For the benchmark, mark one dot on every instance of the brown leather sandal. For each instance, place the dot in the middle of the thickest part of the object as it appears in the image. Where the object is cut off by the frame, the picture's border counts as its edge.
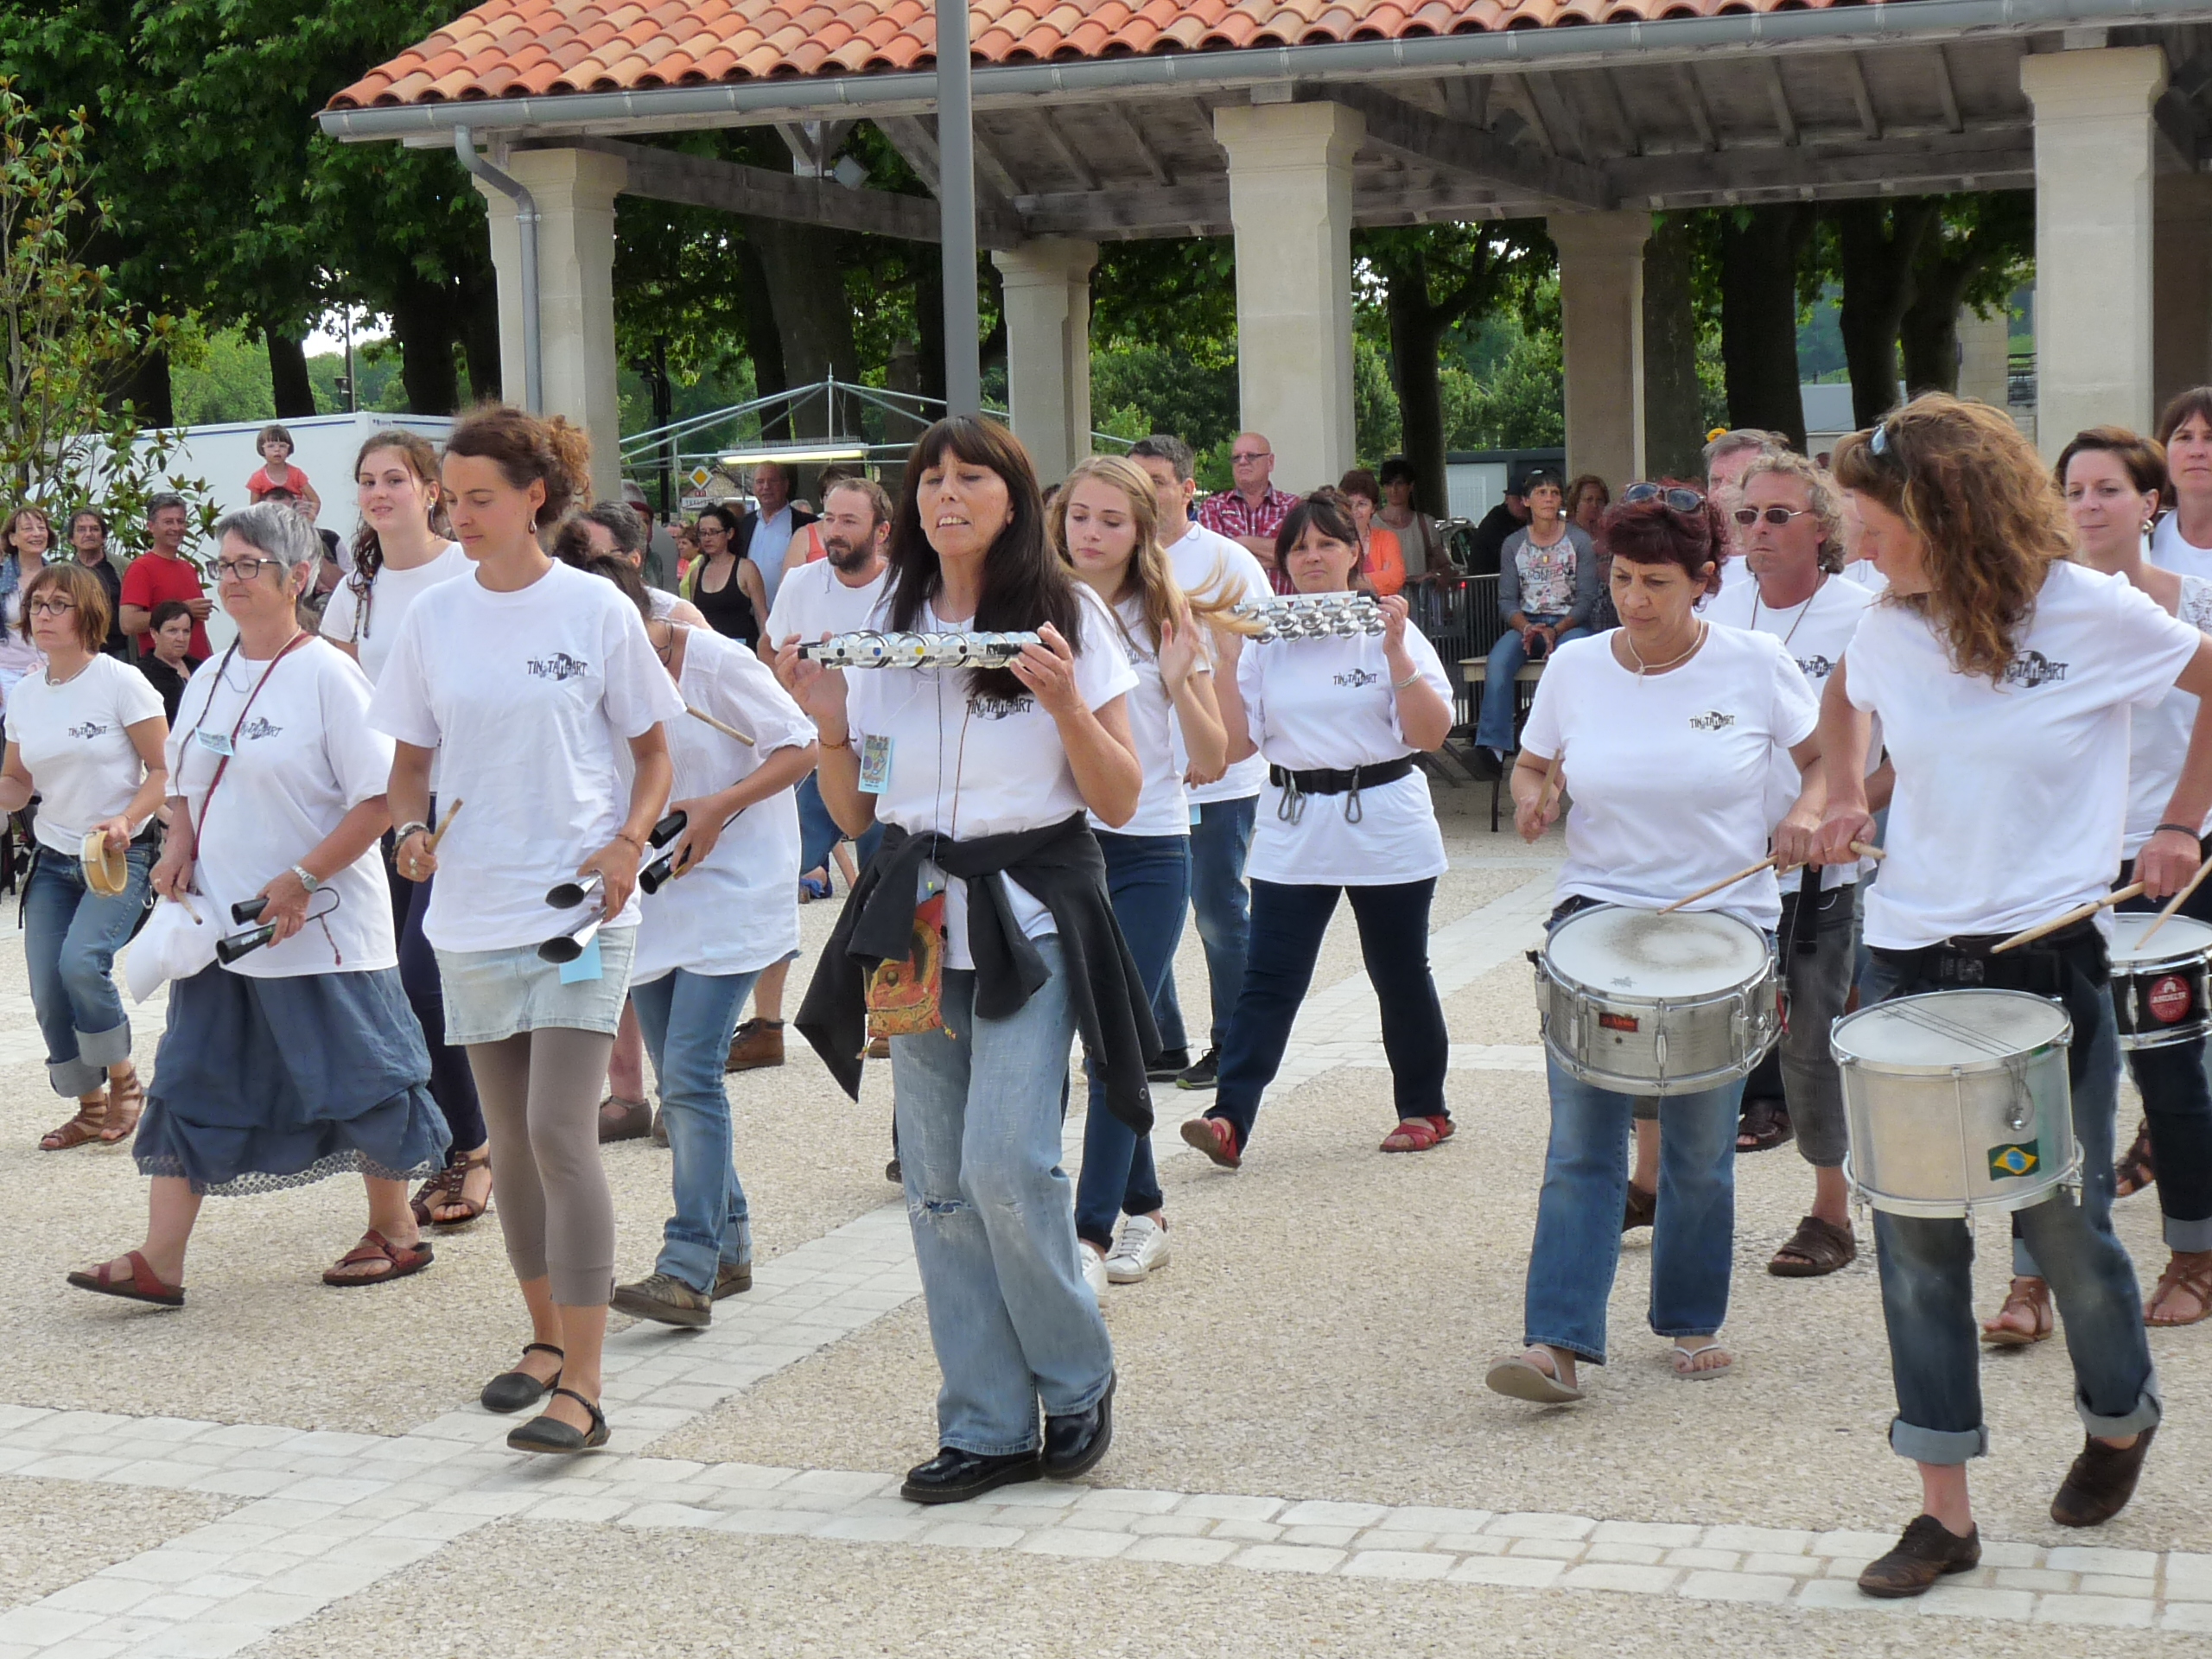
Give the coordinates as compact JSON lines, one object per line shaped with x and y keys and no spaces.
{"x":455,"y":1196}
{"x":402,"y":1260}
{"x":2031,"y":1296}
{"x":144,"y":1284}
{"x":1817,"y":1248}
{"x":2189,"y":1271}
{"x":2134,"y":1171}
{"x":430,"y":1193}
{"x":126,"y":1103}
{"x":92,"y":1117}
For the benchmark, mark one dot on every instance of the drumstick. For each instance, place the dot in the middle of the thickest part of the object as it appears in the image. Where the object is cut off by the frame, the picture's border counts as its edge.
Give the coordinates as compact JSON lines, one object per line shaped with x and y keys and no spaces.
{"x":1865,"y":850}
{"x":188,"y":910}
{"x":1551,"y":779}
{"x":439,"y":834}
{"x":1727,"y":881}
{"x":727,"y":731}
{"x":2177,"y":901}
{"x":2078,"y":913}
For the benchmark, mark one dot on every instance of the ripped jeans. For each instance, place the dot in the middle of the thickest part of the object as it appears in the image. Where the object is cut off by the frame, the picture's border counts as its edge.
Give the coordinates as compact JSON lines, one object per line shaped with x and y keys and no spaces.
{"x":979,"y":1113}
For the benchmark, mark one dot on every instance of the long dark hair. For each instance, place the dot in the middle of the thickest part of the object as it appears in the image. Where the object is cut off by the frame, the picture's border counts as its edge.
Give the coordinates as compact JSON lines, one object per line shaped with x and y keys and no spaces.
{"x":1024,"y":583}
{"x":368,"y":548}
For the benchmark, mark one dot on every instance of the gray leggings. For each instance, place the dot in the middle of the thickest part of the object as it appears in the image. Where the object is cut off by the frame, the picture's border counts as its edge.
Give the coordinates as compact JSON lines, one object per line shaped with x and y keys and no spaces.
{"x":540,"y":1090}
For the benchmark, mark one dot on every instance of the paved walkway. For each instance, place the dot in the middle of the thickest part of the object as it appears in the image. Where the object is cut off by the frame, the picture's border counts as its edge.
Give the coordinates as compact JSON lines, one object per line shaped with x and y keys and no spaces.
{"x":214,"y":1529}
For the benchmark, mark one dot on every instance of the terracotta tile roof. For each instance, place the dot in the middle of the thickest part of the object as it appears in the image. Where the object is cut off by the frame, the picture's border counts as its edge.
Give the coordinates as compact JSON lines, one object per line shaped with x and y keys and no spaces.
{"x":513,"y":48}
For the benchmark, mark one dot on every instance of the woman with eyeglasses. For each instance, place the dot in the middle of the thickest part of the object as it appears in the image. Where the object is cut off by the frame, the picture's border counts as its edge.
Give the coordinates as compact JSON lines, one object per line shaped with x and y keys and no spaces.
{"x":1547,"y":589}
{"x":299,"y":1059}
{"x":724,"y":584}
{"x":1669,"y":732}
{"x":27,"y":537}
{"x":2004,"y":676}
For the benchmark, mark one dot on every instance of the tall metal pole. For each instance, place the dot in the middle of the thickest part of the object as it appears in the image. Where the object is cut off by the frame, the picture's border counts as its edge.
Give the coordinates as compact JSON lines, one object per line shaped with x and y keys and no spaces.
{"x":955,"y":143}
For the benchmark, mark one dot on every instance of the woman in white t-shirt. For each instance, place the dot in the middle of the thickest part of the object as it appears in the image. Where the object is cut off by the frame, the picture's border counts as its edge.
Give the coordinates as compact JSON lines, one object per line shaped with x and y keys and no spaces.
{"x":1665,"y":730}
{"x":2182,"y":541}
{"x":86,"y":735}
{"x":26,"y":538}
{"x":522,"y":682}
{"x":2003,"y":676}
{"x":990,"y":883}
{"x":1346,"y":813}
{"x":400,"y":553}
{"x":298,"y":1059}
{"x":1104,"y":522}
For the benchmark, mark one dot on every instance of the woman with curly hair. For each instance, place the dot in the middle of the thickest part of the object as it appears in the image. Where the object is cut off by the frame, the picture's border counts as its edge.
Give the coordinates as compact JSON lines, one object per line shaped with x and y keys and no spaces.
{"x":2003,"y":673}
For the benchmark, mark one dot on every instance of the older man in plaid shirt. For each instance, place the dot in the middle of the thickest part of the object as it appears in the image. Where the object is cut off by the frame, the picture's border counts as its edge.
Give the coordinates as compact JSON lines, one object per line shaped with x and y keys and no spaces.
{"x":1254,"y":511}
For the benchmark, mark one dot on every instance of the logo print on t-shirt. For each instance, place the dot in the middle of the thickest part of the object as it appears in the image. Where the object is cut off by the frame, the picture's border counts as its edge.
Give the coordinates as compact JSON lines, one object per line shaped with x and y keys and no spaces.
{"x":1712,"y":721}
{"x":1815,"y":667}
{"x":992,"y":705}
{"x":258,"y":727}
{"x":1357,"y":677}
{"x":89,"y":730}
{"x":2032,"y":669}
{"x":559,"y":666}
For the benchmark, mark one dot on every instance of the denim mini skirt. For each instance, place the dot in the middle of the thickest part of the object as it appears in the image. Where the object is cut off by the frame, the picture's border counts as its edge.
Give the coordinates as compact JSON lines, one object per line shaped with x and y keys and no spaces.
{"x":491,"y":995}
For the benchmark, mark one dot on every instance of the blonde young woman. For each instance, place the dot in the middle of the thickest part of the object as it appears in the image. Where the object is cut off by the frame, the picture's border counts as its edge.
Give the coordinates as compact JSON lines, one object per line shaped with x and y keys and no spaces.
{"x":1102,"y":524}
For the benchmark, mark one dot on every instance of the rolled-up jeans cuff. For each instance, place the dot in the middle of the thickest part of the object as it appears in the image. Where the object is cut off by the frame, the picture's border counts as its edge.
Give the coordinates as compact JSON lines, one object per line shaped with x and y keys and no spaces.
{"x":105,"y":1048}
{"x":2149,"y":1409}
{"x":73,"y":1079}
{"x":1939,"y":1446}
{"x":2023,"y":1261}
{"x":2188,"y":1235}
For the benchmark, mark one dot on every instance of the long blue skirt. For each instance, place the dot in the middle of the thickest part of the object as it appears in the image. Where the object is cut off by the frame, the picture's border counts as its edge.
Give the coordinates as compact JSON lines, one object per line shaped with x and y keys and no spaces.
{"x":263,"y":1083}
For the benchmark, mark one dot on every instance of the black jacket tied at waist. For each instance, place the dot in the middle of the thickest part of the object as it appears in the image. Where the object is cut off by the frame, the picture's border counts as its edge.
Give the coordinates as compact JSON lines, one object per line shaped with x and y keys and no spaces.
{"x":1062,"y":867}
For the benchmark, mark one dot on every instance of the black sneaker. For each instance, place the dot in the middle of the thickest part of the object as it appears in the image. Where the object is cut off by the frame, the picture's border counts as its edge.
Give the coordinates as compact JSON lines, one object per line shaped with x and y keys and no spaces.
{"x":1170,"y":1065}
{"x":1202,"y":1075}
{"x":1486,"y":762}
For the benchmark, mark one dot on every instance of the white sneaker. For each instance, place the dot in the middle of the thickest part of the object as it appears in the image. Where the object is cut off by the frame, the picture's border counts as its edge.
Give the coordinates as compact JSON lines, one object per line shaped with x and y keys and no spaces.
{"x":1094,"y":1266}
{"x":1142,"y":1247}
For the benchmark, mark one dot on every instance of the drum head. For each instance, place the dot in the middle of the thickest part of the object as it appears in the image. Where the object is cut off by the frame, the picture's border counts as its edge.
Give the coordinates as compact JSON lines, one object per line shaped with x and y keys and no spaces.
{"x":1639,"y":953}
{"x":2182,"y":937}
{"x":1947,"y":1028}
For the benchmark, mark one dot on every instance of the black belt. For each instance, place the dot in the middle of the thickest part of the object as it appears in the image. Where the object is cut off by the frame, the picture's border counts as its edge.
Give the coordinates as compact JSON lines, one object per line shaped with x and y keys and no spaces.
{"x":1331,"y":780}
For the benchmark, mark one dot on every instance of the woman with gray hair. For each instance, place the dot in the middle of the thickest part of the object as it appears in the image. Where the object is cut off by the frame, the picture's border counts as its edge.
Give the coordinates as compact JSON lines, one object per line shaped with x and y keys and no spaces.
{"x":299,"y":1058}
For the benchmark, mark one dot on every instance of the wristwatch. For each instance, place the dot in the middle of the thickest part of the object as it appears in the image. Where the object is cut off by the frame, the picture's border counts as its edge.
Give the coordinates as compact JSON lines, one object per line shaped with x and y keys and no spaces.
{"x":308,"y":879}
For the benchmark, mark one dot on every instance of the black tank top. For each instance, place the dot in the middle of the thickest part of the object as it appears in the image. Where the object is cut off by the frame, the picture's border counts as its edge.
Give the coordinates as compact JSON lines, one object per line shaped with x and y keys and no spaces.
{"x":727,"y":610}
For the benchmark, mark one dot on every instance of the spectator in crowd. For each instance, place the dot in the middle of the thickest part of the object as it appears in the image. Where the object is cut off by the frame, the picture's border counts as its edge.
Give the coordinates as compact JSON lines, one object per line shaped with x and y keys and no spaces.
{"x":27,"y":537}
{"x":278,"y":471}
{"x":1587,"y":497}
{"x":2183,"y":541}
{"x":617,"y":529}
{"x":686,"y":548}
{"x":171,"y":662}
{"x":330,"y":567}
{"x":1419,"y":543}
{"x":765,"y":536}
{"x":1502,"y":520}
{"x":1726,"y":454}
{"x":1547,"y":590}
{"x":1253,"y":509}
{"x":1382,"y":562}
{"x":88,"y":536}
{"x":722,"y":582}
{"x":162,"y":572}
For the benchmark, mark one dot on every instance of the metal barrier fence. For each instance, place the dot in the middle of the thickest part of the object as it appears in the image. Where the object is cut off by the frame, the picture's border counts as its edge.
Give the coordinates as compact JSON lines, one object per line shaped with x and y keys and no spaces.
{"x":1459,"y":617}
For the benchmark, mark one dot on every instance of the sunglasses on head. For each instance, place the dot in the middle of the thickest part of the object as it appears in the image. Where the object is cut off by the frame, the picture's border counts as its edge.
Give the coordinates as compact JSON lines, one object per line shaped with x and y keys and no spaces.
{"x":1680,"y":499}
{"x":1777,"y":516}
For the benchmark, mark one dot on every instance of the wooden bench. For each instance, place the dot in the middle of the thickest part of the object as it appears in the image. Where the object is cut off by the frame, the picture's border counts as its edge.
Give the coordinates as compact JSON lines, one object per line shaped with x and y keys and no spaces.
{"x":1476,"y":671}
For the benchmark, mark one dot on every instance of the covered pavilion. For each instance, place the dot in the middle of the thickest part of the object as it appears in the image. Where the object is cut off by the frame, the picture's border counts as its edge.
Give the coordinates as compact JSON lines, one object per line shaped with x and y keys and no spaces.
{"x":1286,"y":122}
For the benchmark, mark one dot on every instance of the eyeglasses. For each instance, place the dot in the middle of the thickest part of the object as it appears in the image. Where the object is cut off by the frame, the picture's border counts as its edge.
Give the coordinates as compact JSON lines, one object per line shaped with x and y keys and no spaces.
{"x":1680,"y":499}
{"x":51,"y":607}
{"x":1777,"y":516}
{"x":242,"y":569}
{"x":1256,"y":454}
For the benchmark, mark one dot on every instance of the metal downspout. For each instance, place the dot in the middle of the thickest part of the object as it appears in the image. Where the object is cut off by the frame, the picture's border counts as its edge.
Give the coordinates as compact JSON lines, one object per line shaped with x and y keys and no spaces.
{"x":533,"y":358}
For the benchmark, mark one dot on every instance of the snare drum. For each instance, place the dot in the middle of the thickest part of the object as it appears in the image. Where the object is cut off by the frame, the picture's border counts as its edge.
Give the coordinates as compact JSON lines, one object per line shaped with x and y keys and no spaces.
{"x":1957,"y":1101}
{"x":1645,"y":1004}
{"x":2159,"y":993}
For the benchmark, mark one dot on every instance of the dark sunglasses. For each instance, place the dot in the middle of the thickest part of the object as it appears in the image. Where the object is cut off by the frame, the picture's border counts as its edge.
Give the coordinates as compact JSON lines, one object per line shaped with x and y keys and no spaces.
{"x":1777,"y":516}
{"x":1680,"y":499}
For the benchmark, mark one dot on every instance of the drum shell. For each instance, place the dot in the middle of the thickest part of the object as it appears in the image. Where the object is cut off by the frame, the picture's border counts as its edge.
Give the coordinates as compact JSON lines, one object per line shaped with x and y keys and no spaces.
{"x":2138,"y":987}
{"x":1657,"y":1046}
{"x":1922,"y":1136}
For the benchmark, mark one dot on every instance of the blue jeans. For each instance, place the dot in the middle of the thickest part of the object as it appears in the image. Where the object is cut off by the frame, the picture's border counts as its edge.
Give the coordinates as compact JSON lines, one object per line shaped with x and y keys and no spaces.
{"x":1494,"y":726}
{"x":1578,"y":1245}
{"x":818,"y":834}
{"x":1927,"y":1267}
{"x":1219,"y":841}
{"x":1149,"y":877}
{"x":994,"y":1220}
{"x":1287,"y":925}
{"x":71,"y":935}
{"x":687,"y":1020}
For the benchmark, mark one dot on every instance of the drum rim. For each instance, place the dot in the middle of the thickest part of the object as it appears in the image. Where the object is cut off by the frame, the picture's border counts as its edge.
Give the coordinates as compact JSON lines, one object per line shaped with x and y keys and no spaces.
{"x":1558,"y":975}
{"x":2129,"y":967}
{"x":2064,"y":1040}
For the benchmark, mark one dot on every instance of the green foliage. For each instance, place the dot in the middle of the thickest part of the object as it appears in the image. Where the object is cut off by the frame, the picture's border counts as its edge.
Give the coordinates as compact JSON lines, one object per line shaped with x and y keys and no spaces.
{"x":1521,"y":404}
{"x":225,"y":378}
{"x":1377,"y":425}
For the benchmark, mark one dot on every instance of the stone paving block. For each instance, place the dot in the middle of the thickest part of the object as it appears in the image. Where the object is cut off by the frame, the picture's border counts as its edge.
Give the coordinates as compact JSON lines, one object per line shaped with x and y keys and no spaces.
{"x":1166,"y":1526}
{"x":2187,"y":1616}
{"x":1738,"y":1587}
{"x":1080,"y":1543}
{"x":2188,"y":1577}
{"x":873,"y":1529}
{"x":1397,"y":1564}
{"x":2034,"y":1578}
{"x":219,"y":1586}
{"x":203,"y":1641}
{"x":72,"y":1466}
{"x":1469,"y":1543}
{"x":2093,"y":1610}
{"x":1862,"y":1546}
{"x":100,"y":1595}
{"x":965,"y":1535}
{"x":1181,"y":1552}
{"x":15,"y":1417}
{"x":37,"y":1625}
{"x":285,"y":1514}
{"x":1623,"y":1554}
{"x":165,"y":1566}
{"x":324,"y":1488}
{"x":1715,"y":1560}
{"x":1773,"y":1540}
{"x":1133,"y":1502}
{"x":77,"y":1647}
{"x":2127,"y":1563}
{"x":1394,"y":1538}
{"x":2111,"y":1583}
{"x":1541,"y":1524}
{"x":173,"y":1606}
{"x":1249,"y":1532}
{"x":1953,"y":1601}
{"x":1657,"y":1535}
{"x":490,"y":1505}
{"x":778,"y":1523}
{"x":1556,"y":1549}
{"x":1317,"y":1514}
{"x":1326,"y":1537}
{"x":1038,"y":1495}
{"x":1523,"y":1571}
{"x":270,"y":1610}
{"x":1629,"y":1580}
{"x":1412,"y":1518}
{"x":839,"y":1483}
{"x":669,"y":1515}
{"x":595,"y":1512}
{"x":336,"y":1577}
{"x":1286,"y":1557}
{"x":1797,"y":1566}
{"x":1222,"y":1506}
{"x":429,"y":1528}
{"x":2010,"y":1555}
{"x":750,"y":1476}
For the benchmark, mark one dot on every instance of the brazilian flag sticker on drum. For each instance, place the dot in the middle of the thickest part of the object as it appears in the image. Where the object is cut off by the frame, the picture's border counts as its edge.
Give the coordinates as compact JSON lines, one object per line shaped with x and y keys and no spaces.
{"x":2022,"y":1158}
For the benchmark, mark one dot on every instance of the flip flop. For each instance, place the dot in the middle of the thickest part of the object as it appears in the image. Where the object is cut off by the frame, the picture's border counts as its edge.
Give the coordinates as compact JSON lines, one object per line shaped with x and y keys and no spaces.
{"x":143,"y":1285}
{"x":1522,"y":1378}
{"x":1681,"y":1358}
{"x":404,"y":1259}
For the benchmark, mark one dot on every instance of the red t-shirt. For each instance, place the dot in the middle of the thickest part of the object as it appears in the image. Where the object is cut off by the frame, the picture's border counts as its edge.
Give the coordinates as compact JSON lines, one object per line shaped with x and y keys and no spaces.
{"x":260,"y":484}
{"x":153,"y":578}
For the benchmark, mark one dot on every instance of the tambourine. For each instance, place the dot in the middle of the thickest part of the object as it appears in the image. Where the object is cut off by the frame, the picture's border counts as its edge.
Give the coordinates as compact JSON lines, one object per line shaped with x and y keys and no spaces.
{"x":1313,"y":616}
{"x":107,"y":871}
{"x":869,"y":649}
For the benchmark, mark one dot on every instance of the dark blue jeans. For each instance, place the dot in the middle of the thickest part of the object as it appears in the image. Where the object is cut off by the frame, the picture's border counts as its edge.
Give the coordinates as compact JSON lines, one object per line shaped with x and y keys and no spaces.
{"x":818,"y":834}
{"x":1219,"y":841}
{"x":1287,"y":925}
{"x":1149,"y":879}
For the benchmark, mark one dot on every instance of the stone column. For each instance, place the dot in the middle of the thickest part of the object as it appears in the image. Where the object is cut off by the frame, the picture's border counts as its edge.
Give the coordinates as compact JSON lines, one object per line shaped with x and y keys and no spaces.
{"x":1601,"y":317}
{"x":2181,"y":283}
{"x":1290,"y":200}
{"x":1047,"y":285}
{"x":2093,"y":164}
{"x":575,"y":190}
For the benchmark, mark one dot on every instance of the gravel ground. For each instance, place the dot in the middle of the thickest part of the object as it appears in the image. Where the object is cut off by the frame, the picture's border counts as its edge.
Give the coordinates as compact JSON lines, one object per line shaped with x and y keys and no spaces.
{"x":670,"y":1595}
{"x":59,"y":1531}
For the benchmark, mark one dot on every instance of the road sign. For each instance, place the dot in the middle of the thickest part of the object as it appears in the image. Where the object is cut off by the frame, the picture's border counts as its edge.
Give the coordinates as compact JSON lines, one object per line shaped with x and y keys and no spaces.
{"x":699,"y":477}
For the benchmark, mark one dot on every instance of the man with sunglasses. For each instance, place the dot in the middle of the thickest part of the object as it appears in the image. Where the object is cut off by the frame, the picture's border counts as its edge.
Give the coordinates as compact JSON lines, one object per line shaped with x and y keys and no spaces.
{"x":1727,"y":455}
{"x":1250,"y":513}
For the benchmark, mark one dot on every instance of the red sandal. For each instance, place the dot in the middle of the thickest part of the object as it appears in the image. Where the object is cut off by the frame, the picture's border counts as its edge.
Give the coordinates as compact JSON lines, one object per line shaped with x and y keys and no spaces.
{"x":1419,"y":1134}
{"x":145,"y":1284}
{"x":404,"y":1260}
{"x":1216,"y":1139}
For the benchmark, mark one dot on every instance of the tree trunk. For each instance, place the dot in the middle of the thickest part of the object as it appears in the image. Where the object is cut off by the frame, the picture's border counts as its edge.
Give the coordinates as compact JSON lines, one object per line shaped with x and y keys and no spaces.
{"x":1416,"y":331}
{"x":1759,"y":250}
{"x":424,"y":319}
{"x":147,"y":390}
{"x":1673,"y":400}
{"x":479,"y":336}
{"x":1879,"y":242}
{"x":764,"y":341}
{"x":1930,"y":330}
{"x":288,"y":375}
{"x":804,"y":267}
{"x":929,"y":321}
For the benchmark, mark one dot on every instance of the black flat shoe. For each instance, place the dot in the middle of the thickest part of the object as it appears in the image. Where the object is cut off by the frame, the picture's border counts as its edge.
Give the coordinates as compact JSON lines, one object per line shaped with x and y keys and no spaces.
{"x":544,"y":1434}
{"x":512,"y":1390}
{"x":1074,"y":1444}
{"x":954,"y":1475}
{"x":2100,"y":1481}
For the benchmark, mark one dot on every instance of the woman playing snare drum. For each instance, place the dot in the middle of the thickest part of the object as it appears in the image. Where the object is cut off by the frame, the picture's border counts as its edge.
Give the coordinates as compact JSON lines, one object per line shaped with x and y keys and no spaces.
{"x":2003,"y":675}
{"x":1666,"y":728}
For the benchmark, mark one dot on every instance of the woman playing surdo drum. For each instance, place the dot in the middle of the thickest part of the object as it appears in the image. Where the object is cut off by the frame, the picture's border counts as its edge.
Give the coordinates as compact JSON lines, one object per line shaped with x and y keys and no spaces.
{"x":2003,"y":673}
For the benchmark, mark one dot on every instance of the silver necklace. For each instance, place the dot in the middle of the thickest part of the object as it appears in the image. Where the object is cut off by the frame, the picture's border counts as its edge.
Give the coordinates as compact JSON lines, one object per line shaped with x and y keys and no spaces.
{"x":1644,"y":668}
{"x":1801,"y":609}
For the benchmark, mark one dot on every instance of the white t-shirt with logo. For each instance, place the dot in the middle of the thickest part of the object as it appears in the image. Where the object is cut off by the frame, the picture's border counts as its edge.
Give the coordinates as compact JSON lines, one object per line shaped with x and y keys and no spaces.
{"x":392,"y":595}
{"x":1814,"y":634}
{"x":1205,"y":562}
{"x":1329,"y":705}
{"x":970,"y":766}
{"x":2011,"y":798}
{"x":1162,"y":808}
{"x":2158,"y":737}
{"x":528,"y":694}
{"x":1667,"y":775}
{"x":2172,"y":550}
{"x":813,"y":601}
{"x":739,"y":909}
{"x":303,"y":757}
{"x":74,"y":740}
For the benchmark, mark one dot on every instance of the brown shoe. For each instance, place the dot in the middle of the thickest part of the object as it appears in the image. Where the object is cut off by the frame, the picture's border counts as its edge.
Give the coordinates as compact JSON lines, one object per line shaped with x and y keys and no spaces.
{"x":758,"y":1042}
{"x":733,"y":1278}
{"x":624,"y":1120}
{"x":1927,"y":1550}
{"x":2100,"y":1481}
{"x":1642,"y":1210}
{"x":879,"y":1048}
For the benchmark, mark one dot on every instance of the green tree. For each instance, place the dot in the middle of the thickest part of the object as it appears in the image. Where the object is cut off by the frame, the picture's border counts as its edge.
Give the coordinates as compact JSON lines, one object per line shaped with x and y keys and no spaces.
{"x":1979,"y":250}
